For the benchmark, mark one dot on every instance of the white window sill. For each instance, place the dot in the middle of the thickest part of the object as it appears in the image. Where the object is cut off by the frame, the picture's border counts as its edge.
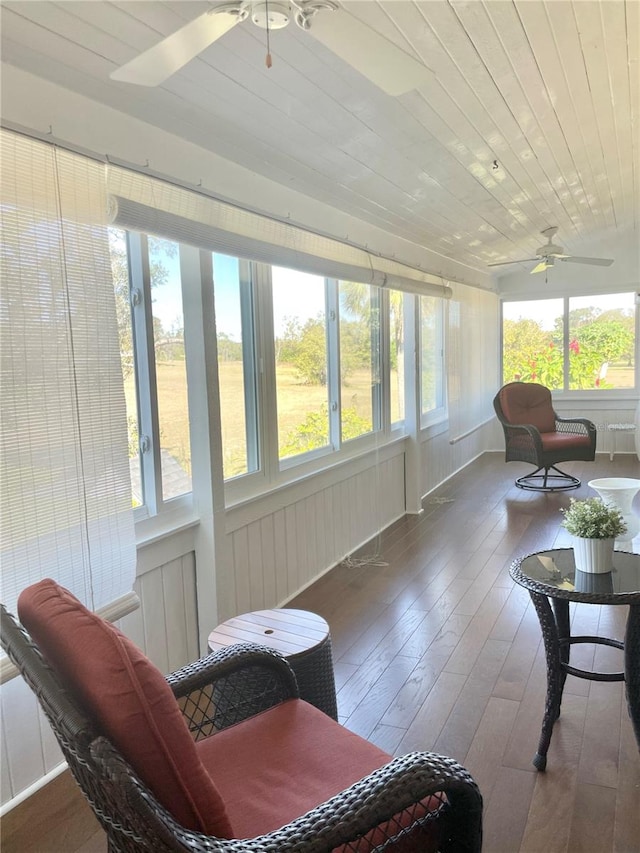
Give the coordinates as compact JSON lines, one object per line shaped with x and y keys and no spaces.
{"x":158,"y":527}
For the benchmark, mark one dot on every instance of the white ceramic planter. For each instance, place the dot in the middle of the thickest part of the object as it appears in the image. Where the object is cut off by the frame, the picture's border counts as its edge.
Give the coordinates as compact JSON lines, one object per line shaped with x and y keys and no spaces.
{"x":593,"y":555}
{"x":620,"y":492}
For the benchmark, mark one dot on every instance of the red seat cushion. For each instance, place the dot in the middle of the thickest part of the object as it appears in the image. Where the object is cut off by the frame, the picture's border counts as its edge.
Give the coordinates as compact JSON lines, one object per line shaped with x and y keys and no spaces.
{"x":304,"y":758}
{"x":130,"y":701}
{"x":555,"y":441}
{"x":528,"y":403}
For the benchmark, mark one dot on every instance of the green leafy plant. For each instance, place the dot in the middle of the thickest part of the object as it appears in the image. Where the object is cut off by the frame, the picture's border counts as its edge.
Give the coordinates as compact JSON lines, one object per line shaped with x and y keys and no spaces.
{"x":593,"y":519}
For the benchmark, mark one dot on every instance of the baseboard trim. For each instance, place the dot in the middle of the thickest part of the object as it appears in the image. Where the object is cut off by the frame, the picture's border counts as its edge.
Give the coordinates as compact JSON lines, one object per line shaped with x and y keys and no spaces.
{"x":54,"y":817}
{"x":32,"y":789}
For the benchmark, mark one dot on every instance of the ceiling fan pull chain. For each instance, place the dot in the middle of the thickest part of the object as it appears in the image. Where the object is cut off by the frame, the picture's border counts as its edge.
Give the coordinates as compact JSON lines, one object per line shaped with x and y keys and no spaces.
{"x":268,"y":58}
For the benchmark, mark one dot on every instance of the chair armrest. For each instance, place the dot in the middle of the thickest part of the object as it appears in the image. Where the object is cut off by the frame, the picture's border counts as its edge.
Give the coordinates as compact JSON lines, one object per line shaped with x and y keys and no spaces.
{"x":230,"y":685}
{"x":374,"y":800}
{"x":524,"y":434}
{"x":580,"y":426}
{"x":344,"y":818}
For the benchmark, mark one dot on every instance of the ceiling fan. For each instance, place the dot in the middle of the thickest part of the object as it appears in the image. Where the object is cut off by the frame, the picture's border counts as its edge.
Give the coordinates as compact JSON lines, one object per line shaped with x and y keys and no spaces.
{"x":381,"y":61}
{"x":548,"y":254}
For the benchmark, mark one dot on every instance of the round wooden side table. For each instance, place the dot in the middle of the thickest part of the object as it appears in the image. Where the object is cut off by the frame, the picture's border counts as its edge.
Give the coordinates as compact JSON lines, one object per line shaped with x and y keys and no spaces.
{"x":300,"y":636}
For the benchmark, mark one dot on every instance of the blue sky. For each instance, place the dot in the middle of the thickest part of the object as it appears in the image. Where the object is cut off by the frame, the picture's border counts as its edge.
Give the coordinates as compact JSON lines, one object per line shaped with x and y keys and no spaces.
{"x":297,"y":294}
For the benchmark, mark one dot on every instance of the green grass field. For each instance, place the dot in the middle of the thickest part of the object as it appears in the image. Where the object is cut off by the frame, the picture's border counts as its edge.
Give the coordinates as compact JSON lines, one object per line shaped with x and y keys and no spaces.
{"x":295,"y":401}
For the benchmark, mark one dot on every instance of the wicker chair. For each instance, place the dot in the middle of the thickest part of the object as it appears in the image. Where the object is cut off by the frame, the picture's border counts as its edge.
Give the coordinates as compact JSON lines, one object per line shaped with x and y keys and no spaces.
{"x":534,"y":433}
{"x":384,"y":810}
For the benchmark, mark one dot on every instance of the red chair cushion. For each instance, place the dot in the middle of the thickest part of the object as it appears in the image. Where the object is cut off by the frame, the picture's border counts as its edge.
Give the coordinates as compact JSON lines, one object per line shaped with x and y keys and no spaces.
{"x":304,"y":758}
{"x":557,"y":441}
{"x":528,"y":403}
{"x":129,"y":699}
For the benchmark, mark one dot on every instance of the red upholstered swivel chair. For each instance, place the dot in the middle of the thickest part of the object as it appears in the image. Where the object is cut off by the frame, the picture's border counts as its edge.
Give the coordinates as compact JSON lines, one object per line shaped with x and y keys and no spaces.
{"x":534,"y":433}
{"x":165,"y":769}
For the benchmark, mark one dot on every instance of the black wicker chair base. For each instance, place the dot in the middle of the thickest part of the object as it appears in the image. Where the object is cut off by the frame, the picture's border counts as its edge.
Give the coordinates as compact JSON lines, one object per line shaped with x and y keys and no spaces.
{"x":548,"y":481}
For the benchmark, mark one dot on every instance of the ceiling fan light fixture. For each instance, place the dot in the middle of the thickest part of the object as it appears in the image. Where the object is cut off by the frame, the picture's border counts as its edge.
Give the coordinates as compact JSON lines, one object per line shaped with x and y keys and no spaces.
{"x":273,"y":16}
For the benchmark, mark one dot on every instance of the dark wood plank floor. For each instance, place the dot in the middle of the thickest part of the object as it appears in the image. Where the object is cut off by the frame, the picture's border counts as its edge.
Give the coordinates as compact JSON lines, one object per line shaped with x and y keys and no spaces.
{"x":435,"y":648}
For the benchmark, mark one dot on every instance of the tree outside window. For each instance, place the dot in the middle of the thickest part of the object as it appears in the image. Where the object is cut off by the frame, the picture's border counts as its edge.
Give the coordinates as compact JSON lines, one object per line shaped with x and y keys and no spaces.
{"x":359,"y":358}
{"x":300,"y":340}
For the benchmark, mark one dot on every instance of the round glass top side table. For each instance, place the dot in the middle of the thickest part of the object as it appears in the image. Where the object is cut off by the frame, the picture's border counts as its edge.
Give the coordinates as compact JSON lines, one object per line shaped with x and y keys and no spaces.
{"x":552,"y":581}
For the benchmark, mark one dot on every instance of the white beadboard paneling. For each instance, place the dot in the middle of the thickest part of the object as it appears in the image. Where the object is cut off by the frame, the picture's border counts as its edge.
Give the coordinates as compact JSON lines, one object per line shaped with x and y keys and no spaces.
{"x":329,"y":538}
{"x":255,"y":566}
{"x":340,"y":504}
{"x":175,"y":616}
{"x":153,"y":606}
{"x":313,"y":528}
{"x":165,"y":624}
{"x":6,"y":787}
{"x":21,"y":727}
{"x":240,"y":553}
{"x":133,"y":623}
{"x":267,"y":544}
{"x":279,"y":533}
{"x":321,"y":555}
{"x":51,"y":752}
{"x":615,"y":24}
{"x":291,"y":546}
{"x":303,"y":537}
{"x":549,"y":90}
{"x":190,"y":606}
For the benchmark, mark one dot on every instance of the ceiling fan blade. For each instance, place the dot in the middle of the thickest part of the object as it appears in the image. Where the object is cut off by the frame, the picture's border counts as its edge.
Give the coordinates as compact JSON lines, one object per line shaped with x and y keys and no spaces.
{"x":374,"y":56}
{"x":504,"y":263}
{"x":159,"y":62}
{"x":599,"y":262}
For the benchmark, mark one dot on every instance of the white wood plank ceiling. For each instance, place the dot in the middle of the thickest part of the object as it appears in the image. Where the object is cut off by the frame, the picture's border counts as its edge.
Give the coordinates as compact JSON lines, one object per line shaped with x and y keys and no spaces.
{"x":530,"y":118}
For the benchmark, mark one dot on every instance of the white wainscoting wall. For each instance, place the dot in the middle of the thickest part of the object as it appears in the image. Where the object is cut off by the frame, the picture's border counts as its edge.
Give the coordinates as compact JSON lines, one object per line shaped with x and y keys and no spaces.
{"x":282,"y":543}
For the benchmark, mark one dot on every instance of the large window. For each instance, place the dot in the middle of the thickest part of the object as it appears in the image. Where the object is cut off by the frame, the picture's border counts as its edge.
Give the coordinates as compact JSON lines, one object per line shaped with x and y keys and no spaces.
{"x":602,"y":342}
{"x":308,"y":365}
{"x":532,"y":342}
{"x":299,"y":364}
{"x":310,"y":342}
{"x":582,"y":343}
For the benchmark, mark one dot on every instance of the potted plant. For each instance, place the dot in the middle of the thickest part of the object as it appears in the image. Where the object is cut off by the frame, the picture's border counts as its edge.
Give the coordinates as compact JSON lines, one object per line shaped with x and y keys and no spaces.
{"x":594,"y":526}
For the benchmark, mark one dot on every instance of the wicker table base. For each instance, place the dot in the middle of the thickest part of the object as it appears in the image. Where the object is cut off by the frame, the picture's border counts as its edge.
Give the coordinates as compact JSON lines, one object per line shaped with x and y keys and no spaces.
{"x":551,"y":578}
{"x":303,"y":638}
